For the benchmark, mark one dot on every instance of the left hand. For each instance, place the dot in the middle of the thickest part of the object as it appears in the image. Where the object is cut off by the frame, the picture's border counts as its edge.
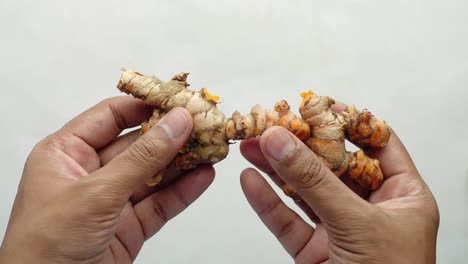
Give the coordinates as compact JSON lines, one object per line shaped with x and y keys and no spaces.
{"x":82,"y":197}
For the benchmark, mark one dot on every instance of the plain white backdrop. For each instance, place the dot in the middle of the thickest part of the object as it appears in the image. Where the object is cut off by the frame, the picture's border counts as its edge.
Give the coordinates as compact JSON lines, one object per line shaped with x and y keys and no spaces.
{"x":406,"y":60}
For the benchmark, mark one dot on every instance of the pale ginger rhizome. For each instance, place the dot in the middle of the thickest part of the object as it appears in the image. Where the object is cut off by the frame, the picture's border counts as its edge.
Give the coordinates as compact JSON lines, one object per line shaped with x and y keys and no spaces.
{"x":322,"y":129}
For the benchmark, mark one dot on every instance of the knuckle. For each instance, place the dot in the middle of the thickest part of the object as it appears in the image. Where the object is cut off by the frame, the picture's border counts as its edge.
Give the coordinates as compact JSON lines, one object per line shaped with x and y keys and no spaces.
{"x":51,"y":141}
{"x":48,"y":146}
{"x":41,"y":147}
{"x":310,"y":173}
{"x":109,"y":100}
{"x":147,"y":151}
{"x":100,"y":195}
{"x":119,"y":118}
{"x":287,"y":227}
{"x":269,"y":209}
{"x":132,"y":137}
{"x":181,"y":198}
{"x":159,"y":209}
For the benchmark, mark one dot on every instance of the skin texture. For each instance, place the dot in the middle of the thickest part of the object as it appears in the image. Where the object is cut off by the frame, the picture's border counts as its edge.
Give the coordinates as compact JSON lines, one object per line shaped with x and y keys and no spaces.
{"x":82,"y":197}
{"x":397,"y":223}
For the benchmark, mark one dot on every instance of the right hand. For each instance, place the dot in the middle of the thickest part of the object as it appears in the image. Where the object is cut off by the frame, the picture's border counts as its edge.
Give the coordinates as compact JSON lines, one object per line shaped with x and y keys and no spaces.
{"x":398,"y":223}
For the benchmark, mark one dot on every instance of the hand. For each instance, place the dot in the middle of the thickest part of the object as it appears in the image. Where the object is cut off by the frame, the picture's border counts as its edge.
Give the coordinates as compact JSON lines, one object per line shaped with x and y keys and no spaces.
{"x":397,"y":224}
{"x":82,"y":197}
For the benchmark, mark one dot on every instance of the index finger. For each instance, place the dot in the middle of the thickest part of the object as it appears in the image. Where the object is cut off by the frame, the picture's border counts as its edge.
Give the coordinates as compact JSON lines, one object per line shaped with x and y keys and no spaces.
{"x":102,"y":123}
{"x":394,"y":158}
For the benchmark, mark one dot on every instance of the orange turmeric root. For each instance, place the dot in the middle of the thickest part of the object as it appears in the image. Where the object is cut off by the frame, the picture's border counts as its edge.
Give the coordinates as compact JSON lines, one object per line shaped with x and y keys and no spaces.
{"x":322,"y":129}
{"x":329,"y":130}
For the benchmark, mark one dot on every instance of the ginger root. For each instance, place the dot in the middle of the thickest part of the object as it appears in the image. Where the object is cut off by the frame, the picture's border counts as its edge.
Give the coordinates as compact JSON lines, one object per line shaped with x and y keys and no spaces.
{"x":323,"y":130}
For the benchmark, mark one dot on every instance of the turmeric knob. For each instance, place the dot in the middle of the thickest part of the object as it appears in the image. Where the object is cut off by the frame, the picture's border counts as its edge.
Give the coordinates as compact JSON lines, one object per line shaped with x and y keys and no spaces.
{"x":322,"y":129}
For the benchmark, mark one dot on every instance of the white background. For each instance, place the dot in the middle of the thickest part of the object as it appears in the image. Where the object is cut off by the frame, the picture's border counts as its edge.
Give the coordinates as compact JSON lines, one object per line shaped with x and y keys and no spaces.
{"x":406,"y":60}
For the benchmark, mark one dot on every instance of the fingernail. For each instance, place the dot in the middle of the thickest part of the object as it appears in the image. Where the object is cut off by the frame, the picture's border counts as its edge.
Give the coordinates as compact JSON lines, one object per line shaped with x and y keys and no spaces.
{"x":280,"y":144}
{"x":174,"y":123}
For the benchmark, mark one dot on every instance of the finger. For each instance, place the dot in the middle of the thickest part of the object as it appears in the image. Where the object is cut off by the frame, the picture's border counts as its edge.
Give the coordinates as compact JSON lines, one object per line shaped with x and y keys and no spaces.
{"x":308,"y":211}
{"x":131,"y":241}
{"x":298,"y":166}
{"x":394,"y":158}
{"x":402,"y":177}
{"x":316,"y":249}
{"x":118,"y":146}
{"x":104,"y":122}
{"x":251,"y":150}
{"x":148,"y":155}
{"x":286,"y":225}
{"x":116,"y":253}
{"x":338,"y":107}
{"x":94,"y":128}
{"x":154,"y":211}
{"x":171,"y":174}
{"x":397,"y":167}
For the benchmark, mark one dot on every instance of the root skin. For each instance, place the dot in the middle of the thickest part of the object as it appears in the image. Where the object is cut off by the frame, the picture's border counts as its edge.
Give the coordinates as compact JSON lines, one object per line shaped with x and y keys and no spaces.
{"x":254,"y":124}
{"x":323,"y":130}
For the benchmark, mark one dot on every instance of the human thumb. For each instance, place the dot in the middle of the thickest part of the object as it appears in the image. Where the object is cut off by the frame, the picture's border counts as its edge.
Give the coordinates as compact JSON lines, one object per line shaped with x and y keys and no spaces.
{"x":149,"y":154}
{"x":299,"y":167}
